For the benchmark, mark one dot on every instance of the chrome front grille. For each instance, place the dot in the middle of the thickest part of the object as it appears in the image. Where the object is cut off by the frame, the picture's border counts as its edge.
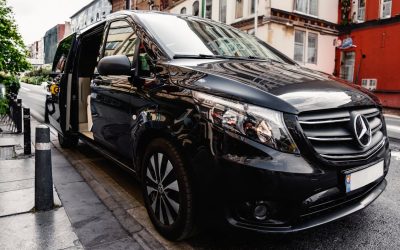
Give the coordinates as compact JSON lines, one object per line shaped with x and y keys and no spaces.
{"x":332,"y":133}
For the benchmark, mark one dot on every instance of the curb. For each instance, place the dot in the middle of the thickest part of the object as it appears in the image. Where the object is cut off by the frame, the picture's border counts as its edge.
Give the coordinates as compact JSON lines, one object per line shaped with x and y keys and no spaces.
{"x":117,"y":200}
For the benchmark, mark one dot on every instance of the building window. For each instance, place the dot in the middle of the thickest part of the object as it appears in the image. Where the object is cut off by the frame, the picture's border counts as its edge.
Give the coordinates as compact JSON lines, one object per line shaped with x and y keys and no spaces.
{"x":208,"y":9}
{"x":239,"y":9}
{"x":347,"y":65}
{"x":361,"y":11}
{"x":309,"y":7}
{"x":386,"y":8}
{"x":312,"y":48}
{"x":183,"y":10}
{"x":299,"y":45}
{"x":303,"y":46}
{"x":127,"y":4}
{"x":222,"y":11}
{"x":252,"y":6}
{"x":196,"y":10}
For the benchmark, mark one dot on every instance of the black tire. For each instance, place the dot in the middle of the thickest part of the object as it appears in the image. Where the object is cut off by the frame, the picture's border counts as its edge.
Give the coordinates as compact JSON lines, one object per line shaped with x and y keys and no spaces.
{"x":67,"y":141}
{"x":168,"y":195}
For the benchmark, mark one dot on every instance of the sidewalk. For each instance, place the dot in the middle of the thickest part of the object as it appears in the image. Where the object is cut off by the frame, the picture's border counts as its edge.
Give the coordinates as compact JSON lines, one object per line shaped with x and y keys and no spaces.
{"x":80,"y":219}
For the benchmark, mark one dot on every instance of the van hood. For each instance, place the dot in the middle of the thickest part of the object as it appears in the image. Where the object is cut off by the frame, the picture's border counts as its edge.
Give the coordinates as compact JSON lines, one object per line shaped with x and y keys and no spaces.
{"x":284,"y":87}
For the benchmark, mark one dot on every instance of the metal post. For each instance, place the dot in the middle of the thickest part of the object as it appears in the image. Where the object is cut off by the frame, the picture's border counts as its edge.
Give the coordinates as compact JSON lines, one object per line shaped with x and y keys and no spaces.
{"x":43,"y":173}
{"x":27,"y":131}
{"x":18,"y":116}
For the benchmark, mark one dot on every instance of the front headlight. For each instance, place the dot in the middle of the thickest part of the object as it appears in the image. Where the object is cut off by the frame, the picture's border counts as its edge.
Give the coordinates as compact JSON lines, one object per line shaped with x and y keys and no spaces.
{"x":259,"y":124}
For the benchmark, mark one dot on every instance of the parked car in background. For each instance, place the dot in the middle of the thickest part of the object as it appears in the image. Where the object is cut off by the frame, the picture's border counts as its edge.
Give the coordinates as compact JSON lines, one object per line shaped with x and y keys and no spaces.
{"x":216,"y":124}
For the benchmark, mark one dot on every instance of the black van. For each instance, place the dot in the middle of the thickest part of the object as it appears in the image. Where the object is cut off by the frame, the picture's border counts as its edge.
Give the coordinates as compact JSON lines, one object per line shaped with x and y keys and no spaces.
{"x":216,"y":124}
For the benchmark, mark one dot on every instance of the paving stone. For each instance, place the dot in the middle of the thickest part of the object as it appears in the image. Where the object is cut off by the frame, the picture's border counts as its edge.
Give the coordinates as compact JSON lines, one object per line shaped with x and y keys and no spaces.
{"x":44,"y":230}
{"x":20,"y":201}
{"x":16,"y":185}
{"x":93,"y":222}
{"x":65,"y":174}
{"x":14,"y":170}
{"x":123,"y":244}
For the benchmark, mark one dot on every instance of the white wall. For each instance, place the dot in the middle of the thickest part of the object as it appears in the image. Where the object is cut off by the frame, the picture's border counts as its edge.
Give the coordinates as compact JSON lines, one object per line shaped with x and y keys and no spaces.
{"x":281,"y":37}
{"x":327,"y":9}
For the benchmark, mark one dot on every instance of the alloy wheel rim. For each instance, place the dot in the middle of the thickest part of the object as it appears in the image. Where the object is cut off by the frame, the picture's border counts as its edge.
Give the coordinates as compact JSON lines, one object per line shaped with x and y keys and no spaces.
{"x":162,"y":189}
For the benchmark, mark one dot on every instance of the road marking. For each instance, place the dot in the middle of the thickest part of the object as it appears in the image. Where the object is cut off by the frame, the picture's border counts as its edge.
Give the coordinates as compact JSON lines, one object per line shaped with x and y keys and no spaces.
{"x":393,"y":127}
{"x":26,"y":89}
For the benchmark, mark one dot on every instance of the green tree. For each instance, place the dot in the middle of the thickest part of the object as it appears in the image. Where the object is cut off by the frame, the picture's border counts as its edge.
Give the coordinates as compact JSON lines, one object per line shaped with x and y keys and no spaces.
{"x":12,"y":49}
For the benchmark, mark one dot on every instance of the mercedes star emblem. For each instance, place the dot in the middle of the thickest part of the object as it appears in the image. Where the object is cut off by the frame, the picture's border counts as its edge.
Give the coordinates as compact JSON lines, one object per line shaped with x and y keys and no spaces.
{"x":362,"y":130}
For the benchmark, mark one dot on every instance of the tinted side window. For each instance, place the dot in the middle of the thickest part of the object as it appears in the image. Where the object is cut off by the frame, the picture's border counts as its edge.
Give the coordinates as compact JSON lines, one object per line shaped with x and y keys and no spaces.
{"x":61,"y":55}
{"x":121,"y":40}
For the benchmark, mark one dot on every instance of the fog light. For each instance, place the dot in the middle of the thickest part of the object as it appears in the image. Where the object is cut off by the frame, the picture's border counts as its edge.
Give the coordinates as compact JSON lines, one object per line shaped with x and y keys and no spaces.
{"x":260,"y":212}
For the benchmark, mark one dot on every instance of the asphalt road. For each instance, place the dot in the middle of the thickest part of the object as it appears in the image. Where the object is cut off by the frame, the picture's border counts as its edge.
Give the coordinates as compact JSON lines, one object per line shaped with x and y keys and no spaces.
{"x":393,"y":126}
{"x":376,"y":227}
{"x":33,"y":97}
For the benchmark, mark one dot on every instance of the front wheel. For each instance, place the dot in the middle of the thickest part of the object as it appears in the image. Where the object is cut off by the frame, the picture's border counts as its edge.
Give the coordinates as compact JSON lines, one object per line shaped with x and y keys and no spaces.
{"x":167,"y":190}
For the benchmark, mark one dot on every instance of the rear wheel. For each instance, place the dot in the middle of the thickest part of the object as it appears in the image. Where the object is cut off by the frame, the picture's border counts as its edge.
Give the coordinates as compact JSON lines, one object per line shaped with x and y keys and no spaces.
{"x":167,"y":190}
{"x":67,"y":141}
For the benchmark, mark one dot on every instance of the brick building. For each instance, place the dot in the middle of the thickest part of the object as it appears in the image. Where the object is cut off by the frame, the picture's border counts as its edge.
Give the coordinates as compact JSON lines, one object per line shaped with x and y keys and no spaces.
{"x":368,"y":54}
{"x":51,"y":39}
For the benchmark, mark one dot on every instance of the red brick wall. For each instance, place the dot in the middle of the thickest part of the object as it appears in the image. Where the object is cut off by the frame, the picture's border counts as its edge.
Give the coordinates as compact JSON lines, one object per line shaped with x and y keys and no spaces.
{"x":60,"y":32}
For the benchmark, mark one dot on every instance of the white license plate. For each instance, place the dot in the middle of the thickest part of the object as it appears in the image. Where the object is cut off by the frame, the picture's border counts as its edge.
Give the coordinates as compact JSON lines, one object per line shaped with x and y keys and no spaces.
{"x":363,"y":177}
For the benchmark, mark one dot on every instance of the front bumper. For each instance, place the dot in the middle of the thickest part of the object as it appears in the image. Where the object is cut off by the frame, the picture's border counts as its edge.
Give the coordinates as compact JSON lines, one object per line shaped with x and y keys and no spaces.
{"x":298,"y":193}
{"x":320,"y":217}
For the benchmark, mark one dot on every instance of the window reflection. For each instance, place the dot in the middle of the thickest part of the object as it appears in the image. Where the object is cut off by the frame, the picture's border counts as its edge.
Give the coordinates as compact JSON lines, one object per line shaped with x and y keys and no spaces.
{"x":121,"y":40}
{"x":194,"y":36}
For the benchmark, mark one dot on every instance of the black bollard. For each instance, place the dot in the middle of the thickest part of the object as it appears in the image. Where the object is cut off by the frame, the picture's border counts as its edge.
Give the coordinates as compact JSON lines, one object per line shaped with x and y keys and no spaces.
{"x":18,"y":116}
{"x":43,"y":173}
{"x":27,"y":131}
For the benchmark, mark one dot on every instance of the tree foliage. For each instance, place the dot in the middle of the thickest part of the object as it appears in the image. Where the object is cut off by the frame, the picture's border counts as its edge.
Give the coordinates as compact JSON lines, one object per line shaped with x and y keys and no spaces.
{"x":13,"y":53}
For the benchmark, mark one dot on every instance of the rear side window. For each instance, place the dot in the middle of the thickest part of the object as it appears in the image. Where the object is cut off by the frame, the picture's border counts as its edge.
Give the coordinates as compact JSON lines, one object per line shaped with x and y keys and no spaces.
{"x":121,"y":40}
{"x":61,"y":56}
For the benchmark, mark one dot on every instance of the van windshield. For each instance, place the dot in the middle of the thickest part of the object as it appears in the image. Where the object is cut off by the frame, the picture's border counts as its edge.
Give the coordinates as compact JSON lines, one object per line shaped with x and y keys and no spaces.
{"x":184,"y":36}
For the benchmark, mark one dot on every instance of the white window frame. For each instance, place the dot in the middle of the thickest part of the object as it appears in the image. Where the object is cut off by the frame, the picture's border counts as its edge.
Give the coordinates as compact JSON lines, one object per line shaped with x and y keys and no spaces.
{"x":370,"y":84}
{"x":305,"y":50}
{"x":308,"y":9}
{"x":304,"y":33}
{"x":384,"y":4}
{"x":361,"y":10}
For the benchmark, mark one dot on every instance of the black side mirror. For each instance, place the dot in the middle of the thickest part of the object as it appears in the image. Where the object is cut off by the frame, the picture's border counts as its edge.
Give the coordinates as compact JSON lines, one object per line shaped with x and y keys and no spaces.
{"x":114,"y":65}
